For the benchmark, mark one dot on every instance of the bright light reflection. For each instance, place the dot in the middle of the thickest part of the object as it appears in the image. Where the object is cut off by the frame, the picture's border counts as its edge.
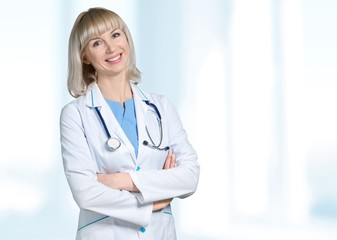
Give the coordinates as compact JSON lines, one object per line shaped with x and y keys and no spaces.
{"x":252,"y":104}
{"x":20,"y":197}
{"x":207,"y":128}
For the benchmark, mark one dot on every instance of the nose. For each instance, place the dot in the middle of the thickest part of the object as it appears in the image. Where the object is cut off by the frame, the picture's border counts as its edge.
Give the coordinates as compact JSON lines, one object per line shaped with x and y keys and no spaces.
{"x":110,"y":47}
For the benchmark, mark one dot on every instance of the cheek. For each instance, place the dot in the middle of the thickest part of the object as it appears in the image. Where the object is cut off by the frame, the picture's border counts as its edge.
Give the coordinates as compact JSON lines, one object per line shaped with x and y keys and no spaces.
{"x":125,"y":45}
{"x":127,"y":50}
{"x":92,"y":54}
{"x":92,"y":59}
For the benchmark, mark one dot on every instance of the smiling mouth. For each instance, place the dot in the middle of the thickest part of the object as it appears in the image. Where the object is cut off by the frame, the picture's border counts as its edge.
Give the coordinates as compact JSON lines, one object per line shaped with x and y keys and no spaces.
{"x":114,"y":59}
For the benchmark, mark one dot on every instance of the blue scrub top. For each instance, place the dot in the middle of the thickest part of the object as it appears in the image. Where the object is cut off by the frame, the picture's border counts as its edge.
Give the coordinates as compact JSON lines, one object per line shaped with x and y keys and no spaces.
{"x":126,"y":117}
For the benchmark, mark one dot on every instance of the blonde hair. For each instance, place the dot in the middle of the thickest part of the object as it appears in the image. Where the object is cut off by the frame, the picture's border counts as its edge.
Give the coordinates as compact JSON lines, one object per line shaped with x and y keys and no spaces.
{"x":89,"y":24}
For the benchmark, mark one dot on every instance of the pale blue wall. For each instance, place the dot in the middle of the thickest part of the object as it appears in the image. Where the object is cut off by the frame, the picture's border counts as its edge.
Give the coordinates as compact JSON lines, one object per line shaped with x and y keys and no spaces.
{"x":261,"y":74}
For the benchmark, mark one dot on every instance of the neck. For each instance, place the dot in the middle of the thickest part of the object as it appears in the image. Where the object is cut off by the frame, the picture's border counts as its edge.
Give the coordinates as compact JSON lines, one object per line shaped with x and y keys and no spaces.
{"x":116,"y":89}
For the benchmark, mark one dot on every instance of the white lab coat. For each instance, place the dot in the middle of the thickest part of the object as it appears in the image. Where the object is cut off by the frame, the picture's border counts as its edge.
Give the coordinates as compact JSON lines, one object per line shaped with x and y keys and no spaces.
{"x":110,"y":214}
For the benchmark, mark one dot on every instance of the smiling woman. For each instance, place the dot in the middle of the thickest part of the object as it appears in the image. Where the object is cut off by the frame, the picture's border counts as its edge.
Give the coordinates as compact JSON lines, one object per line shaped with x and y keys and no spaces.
{"x":266,"y":71}
{"x":92,"y":27}
{"x":123,"y":188}
{"x":108,"y":54}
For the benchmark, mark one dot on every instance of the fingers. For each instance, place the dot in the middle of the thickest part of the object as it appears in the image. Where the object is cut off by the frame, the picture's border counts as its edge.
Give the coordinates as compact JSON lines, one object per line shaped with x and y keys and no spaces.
{"x":170,"y":161}
{"x":173,"y":161}
{"x":158,"y":205}
{"x":167,"y":163}
{"x":100,"y":177}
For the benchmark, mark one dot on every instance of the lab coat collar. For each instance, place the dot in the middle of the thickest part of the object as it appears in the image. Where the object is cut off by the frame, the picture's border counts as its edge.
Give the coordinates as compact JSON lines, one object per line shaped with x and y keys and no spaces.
{"x":138,"y":93}
{"x":94,"y":97}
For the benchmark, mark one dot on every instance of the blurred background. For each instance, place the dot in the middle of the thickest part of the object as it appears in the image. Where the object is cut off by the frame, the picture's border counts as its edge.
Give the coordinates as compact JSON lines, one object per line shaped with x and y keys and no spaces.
{"x":254,"y":81}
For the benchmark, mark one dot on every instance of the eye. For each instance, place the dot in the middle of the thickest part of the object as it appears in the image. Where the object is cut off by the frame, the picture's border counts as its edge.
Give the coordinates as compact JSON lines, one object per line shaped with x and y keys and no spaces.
{"x":115,"y":35}
{"x":96,"y":43}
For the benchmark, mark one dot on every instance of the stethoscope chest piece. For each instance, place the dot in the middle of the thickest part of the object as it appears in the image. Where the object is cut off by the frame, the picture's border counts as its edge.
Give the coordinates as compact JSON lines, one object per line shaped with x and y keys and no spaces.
{"x":113,"y":144}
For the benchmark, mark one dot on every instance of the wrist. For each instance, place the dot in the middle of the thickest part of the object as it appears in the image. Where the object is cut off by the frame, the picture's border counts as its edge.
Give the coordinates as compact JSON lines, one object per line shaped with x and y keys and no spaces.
{"x":127,"y":183}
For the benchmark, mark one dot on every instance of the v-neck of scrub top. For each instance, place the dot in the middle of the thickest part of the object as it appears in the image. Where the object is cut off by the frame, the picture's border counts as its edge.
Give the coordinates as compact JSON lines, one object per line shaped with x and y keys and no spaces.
{"x":126,"y":117}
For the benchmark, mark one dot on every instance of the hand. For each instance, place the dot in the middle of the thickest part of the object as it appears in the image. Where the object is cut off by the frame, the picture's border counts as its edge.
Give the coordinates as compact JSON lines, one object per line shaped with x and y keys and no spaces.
{"x":158,"y":205}
{"x":170,"y":161}
{"x":119,"y":181}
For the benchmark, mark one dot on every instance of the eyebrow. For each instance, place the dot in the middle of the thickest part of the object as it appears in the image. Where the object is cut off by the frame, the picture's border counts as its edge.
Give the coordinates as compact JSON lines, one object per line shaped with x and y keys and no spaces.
{"x":112,"y":31}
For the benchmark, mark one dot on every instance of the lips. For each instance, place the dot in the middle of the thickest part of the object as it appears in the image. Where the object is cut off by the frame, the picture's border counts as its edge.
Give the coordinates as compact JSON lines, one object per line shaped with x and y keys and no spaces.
{"x":114,"y":59}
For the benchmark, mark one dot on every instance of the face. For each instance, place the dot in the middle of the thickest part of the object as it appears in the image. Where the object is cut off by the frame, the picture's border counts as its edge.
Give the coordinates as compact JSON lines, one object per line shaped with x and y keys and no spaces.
{"x":107,"y":53}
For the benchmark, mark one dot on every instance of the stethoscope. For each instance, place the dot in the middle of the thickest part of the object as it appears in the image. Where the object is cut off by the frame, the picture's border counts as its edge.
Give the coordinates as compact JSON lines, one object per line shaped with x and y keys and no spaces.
{"x":114,"y":143}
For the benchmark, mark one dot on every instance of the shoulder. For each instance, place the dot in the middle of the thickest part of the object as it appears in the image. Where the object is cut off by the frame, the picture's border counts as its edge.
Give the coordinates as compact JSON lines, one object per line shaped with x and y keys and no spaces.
{"x":160,"y":100}
{"x":147,"y":95}
{"x":73,"y":107}
{"x":165,"y":106}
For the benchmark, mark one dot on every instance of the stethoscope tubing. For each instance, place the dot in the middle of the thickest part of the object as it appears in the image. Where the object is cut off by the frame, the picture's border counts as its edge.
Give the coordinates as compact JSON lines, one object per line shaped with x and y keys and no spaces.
{"x":103,"y":122}
{"x":114,"y":143}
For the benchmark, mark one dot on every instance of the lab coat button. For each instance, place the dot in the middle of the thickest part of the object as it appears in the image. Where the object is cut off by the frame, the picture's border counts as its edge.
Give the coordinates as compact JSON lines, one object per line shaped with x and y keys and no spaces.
{"x":142,"y":229}
{"x":138,"y":168}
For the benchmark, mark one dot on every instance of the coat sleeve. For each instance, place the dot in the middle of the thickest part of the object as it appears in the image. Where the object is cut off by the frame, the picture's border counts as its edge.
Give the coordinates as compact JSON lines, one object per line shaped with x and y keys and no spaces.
{"x":80,"y":169}
{"x":180,"y":181}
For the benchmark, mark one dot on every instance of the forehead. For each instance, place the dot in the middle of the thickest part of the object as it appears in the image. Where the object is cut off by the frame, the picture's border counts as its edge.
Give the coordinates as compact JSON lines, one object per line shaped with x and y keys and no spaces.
{"x":94,"y":26}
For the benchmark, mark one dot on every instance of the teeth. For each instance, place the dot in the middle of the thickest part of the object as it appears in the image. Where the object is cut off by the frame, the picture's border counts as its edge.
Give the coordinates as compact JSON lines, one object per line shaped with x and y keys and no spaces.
{"x":113,"y":59}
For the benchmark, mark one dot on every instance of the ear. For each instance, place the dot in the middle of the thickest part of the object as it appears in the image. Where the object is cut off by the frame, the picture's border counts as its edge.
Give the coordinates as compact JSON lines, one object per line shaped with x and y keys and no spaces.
{"x":85,"y":60}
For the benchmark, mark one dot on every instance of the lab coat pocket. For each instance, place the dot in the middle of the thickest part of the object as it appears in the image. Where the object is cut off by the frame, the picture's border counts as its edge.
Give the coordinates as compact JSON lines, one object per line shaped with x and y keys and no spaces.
{"x":169,"y":232}
{"x":100,"y":228}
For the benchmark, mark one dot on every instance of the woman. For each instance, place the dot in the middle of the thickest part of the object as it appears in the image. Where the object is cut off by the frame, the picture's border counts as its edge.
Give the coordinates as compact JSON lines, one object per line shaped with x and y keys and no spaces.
{"x":125,"y":153}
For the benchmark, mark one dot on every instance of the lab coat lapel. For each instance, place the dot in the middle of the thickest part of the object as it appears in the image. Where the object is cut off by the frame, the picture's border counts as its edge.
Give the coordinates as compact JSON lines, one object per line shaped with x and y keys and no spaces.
{"x":95,"y":99}
{"x":141,"y":110}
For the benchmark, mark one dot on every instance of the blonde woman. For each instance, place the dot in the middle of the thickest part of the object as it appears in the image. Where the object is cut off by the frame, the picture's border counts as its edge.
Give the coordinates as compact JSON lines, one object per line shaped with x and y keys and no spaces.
{"x":125,"y":153}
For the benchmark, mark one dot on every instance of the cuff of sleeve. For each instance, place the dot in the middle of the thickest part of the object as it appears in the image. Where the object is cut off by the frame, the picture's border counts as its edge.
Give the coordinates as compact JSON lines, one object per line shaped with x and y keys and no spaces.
{"x":148,"y":214}
{"x":139,"y":195}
